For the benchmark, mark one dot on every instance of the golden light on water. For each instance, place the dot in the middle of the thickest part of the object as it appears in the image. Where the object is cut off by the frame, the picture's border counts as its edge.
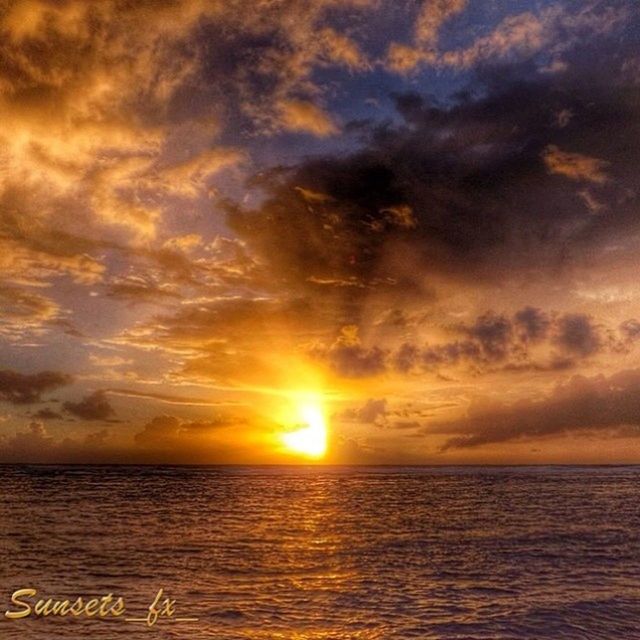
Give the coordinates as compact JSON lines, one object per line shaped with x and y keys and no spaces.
{"x":309,"y":437}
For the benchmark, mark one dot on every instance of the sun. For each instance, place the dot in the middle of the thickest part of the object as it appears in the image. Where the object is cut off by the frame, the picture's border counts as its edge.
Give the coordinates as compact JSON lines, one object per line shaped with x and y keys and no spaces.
{"x":310,"y":437}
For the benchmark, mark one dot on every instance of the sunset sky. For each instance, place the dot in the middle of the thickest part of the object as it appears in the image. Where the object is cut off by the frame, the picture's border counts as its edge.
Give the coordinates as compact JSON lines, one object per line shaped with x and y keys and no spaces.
{"x":420,"y":217}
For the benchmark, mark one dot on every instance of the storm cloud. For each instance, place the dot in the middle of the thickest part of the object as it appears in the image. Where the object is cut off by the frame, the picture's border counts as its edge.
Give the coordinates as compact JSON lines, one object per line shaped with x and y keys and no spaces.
{"x":583,"y":404}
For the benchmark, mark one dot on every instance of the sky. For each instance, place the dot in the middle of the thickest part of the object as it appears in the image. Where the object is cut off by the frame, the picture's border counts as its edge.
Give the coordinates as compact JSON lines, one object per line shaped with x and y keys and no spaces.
{"x":416,"y":220}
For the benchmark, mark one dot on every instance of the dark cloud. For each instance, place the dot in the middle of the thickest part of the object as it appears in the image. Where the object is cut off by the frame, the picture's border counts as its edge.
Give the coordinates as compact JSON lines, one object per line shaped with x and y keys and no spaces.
{"x":462,"y":188}
{"x":449,"y":354}
{"x":36,"y":444}
{"x":532,"y":324}
{"x":528,"y":340}
{"x":20,"y":388}
{"x":47,"y":414}
{"x":91,"y":407}
{"x":350,"y":359}
{"x":493,"y":333}
{"x":353,"y":361}
{"x":406,"y":357}
{"x":167,"y":430}
{"x":582,"y":404}
{"x":578,"y":335}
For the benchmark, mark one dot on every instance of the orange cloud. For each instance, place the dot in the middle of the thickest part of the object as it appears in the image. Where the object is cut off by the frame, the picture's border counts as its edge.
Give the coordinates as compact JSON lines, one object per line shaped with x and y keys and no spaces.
{"x":432,"y":16}
{"x":516,"y":36}
{"x":575,"y":166}
{"x":306,"y":117}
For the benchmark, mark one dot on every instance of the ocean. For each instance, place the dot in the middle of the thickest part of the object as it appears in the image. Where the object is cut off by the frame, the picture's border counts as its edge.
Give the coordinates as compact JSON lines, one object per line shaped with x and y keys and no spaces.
{"x":318,"y":553}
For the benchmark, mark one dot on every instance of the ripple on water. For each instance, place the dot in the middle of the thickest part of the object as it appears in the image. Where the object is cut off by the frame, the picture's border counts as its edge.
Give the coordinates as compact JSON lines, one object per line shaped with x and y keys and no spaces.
{"x":324,"y":553}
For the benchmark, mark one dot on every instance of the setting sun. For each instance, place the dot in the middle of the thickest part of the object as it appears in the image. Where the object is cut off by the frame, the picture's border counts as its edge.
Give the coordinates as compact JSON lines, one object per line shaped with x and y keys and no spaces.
{"x":310,"y":439}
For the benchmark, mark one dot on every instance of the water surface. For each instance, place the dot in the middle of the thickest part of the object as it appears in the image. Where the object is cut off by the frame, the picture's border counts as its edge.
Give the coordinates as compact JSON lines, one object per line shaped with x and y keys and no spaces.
{"x":329,"y":553}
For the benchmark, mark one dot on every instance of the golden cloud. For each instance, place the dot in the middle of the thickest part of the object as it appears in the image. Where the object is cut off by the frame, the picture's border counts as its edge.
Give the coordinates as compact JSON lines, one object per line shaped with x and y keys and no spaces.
{"x":575,"y":166}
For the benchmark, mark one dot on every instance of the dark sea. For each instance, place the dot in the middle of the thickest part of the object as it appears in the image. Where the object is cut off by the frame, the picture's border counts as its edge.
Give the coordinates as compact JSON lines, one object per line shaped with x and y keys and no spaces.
{"x":315,"y":553}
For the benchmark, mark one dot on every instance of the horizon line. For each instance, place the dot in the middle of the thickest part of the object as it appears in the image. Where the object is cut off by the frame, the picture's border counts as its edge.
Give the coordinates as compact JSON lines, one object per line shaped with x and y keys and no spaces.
{"x":317,"y":465}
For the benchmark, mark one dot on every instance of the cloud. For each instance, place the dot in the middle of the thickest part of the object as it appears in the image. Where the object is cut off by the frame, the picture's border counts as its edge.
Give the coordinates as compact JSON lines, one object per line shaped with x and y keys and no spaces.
{"x":532,"y":324}
{"x":434,"y":357}
{"x":97,"y":439}
{"x":305,"y":117}
{"x":167,"y":431}
{"x":493,"y":333}
{"x":433,"y":14}
{"x":20,"y":388}
{"x":186,"y":267}
{"x":519,"y":35}
{"x":26,"y":314}
{"x":342,"y":50}
{"x":630,"y":329}
{"x":581,"y":405}
{"x":200,"y":326}
{"x":47,"y":414}
{"x":577,"y":334}
{"x":32,"y":259}
{"x":527,"y":340}
{"x":147,"y":287}
{"x":231,"y":342}
{"x":92,"y":407}
{"x":32,"y":263}
{"x":36,"y":444}
{"x":167,"y":398}
{"x":100,"y":360}
{"x":190,"y":177}
{"x":575,"y":165}
{"x":553,"y":30}
{"x":348,"y":358}
{"x":370,"y":413}
{"x":32,"y":443}
{"x":236,"y":342}
{"x":402,"y":58}
{"x":478,"y":202}
{"x":112,"y":111}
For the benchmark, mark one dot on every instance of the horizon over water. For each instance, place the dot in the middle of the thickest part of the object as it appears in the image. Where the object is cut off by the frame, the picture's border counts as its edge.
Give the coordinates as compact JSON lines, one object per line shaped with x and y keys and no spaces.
{"x":315,"y":552}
